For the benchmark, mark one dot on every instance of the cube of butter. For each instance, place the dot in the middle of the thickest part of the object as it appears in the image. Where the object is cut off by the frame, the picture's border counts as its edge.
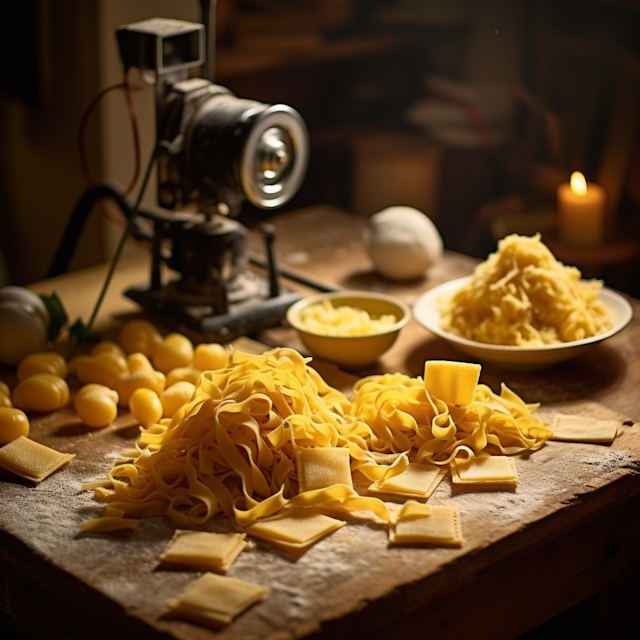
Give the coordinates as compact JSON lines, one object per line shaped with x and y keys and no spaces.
{"x":453,"y":382}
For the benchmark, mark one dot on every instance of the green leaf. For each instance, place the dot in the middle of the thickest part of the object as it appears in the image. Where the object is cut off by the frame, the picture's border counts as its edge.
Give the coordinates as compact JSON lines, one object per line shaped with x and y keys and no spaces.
{"x":57,"y":314}
{"x":79,"y":333}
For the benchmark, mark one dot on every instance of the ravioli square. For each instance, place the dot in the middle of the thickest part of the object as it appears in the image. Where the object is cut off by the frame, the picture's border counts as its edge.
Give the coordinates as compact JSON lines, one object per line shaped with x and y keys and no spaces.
{"x":440,"y":527}
{"x":321,"y":467}
{"x":417,"y":480}
{"x":453,"y":382}
{"x":203,"y":550}
{"x":409,"y":511}
{"x":296,"y":530}
{"x":484,"y":469}
{"x":32,"y":460}
{"x":216,"y":600}
{"x":584,"y":429}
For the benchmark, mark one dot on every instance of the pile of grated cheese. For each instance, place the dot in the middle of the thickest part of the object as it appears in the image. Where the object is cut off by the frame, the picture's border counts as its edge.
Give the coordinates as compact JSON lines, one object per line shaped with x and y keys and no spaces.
{"x":522,"y":296}
{"x":344,"y":320}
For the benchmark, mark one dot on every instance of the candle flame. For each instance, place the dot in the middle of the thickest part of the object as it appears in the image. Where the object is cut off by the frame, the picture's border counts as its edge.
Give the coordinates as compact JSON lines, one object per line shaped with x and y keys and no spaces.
{"x":578,"y":184}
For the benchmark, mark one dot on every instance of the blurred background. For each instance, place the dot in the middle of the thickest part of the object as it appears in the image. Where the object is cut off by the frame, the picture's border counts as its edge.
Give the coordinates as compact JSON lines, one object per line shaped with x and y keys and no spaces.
{"x":471,"y":112}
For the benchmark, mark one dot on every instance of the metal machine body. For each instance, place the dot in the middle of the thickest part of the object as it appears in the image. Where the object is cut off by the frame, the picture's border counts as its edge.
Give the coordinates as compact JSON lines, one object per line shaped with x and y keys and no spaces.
{"x":214,"y":151}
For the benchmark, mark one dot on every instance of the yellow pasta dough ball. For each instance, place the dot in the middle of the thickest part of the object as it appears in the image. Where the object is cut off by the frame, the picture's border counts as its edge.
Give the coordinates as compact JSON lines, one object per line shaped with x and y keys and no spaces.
{"x":102,"y":368}
{"x":108,"y":346}
{"x":42,"y":362}
{"x":5,"y":395}
{"x":145,"y":406}
{"x":41,"y":392}
{"x":183,"y":374}
{"x":210,"y":356}
{"x":96,"y":405}
{"x":127,"y":383}
{"x":174,"y":397}
{"x":140,"y":375}
{"x":176,"y":350}
{"x":13,"y":424}
{"x":139,"y":335}
{"x":138,"y":362}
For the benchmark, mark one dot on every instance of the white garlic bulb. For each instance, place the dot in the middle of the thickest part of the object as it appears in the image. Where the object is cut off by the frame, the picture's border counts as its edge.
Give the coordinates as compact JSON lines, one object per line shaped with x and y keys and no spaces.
{"x":403,"y":243}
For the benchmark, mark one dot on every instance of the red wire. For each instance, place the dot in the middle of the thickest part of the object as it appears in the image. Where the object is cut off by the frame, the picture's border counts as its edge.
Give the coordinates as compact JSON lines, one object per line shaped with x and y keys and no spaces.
{"x":84,"y":163}
{"x":83,"y":125}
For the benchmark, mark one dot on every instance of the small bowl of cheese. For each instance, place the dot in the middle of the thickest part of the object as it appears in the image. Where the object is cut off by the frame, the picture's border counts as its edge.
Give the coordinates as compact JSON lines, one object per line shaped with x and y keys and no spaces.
{"x":349,"y":328}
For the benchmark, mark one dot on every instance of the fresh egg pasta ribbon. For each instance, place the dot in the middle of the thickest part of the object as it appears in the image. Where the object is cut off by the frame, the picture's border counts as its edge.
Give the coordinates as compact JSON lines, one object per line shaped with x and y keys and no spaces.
{"x":232,"y":447}
{"x":403,"y":415}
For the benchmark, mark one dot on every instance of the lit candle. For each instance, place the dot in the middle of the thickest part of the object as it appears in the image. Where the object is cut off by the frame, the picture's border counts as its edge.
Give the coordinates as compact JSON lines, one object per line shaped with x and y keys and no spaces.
{"x":581,"y":208}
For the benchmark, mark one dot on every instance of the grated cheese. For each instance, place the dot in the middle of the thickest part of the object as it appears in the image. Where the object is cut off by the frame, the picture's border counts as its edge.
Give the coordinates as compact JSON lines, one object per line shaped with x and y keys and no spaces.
{"x":522,"y":296}
{"x":325,"y":319}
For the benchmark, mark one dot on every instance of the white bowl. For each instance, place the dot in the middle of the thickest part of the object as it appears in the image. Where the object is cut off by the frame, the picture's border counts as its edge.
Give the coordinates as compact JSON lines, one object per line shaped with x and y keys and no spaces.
{"x":426,"y":311}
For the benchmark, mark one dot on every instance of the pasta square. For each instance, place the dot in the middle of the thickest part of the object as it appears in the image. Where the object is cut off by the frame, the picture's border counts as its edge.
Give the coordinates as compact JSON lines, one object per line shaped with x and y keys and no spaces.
{"x":584,"y":429}
{"x":484,"y":469}
{"x":440,"y":527}
{"x":203,"y":550}
{"x":411,"y":510}
{"x":32,"y":460}
{"x":321,"y":467}
{"x":417,"y":480}
{"x":295,"y":531}
{"x":216,"y":600}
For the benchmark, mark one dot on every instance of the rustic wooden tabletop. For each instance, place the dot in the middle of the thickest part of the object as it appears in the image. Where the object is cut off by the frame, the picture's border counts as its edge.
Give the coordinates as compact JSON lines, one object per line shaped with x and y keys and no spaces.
{"x":568,"y":530}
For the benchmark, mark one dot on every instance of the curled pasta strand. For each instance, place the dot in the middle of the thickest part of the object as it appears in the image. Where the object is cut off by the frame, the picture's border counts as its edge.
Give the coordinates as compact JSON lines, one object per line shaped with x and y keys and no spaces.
{"x":231,"y":447}
{"x":376,"y":472}
{"x":268,"y":507}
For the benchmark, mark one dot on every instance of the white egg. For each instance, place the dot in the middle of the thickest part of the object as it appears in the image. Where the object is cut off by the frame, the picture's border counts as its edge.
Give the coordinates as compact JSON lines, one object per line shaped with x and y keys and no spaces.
{"x":403,"y":243}
{"x":27,"y":297}
{"x":22,"y":331}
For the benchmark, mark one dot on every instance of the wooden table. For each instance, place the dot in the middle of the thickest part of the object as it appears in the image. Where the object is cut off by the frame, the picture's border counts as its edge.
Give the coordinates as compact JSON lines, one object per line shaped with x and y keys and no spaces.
{"x":570,"y":528}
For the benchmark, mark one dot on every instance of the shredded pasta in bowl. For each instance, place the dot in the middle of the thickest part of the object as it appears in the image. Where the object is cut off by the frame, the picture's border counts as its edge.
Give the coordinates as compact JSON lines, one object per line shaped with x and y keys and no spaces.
{"x":523,"y":307}
{"x":349,"y":328}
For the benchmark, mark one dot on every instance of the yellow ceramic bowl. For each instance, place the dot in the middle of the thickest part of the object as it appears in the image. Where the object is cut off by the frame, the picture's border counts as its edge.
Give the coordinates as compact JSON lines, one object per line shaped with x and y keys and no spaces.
{"x":352,"y":352}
